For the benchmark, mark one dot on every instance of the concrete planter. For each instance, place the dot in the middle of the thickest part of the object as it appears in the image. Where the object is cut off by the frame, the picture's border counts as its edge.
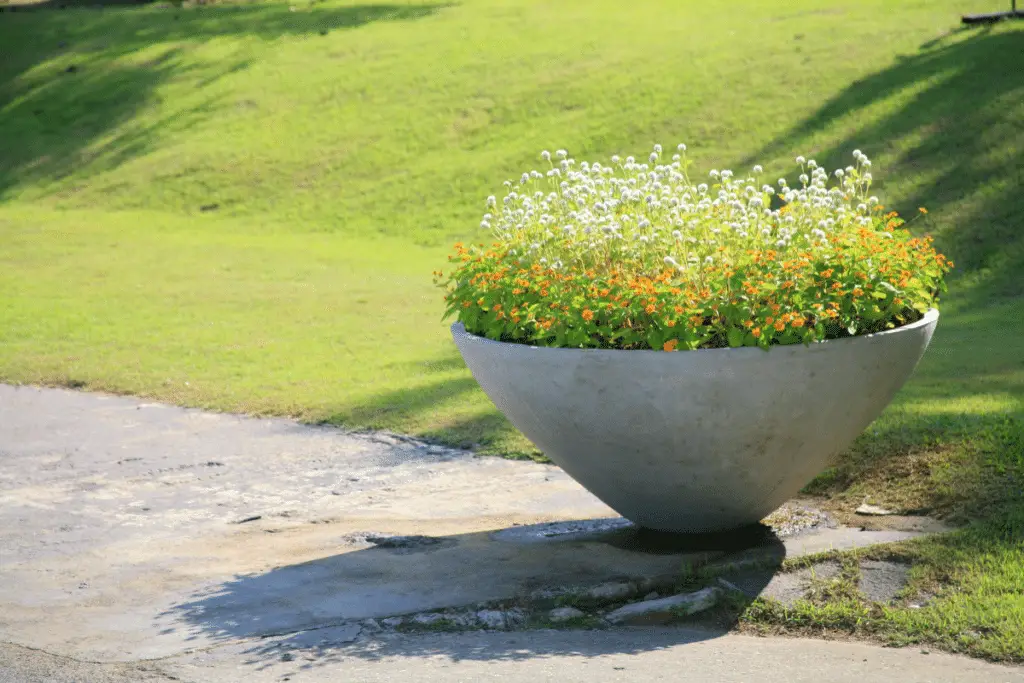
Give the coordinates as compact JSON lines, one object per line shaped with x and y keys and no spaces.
{"x":701,"y":440}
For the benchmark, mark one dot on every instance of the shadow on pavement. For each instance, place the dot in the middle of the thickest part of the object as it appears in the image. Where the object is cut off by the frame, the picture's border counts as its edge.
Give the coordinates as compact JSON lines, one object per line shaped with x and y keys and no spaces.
{"x":316,"y":607}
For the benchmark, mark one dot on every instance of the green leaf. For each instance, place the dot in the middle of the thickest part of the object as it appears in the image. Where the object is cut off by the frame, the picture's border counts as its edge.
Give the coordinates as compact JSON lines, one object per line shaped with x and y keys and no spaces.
{"x":735,"y":337}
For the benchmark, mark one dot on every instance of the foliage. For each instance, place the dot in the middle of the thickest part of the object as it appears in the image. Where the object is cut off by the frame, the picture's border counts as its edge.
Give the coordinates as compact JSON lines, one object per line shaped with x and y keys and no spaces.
{"x":637,"y":256}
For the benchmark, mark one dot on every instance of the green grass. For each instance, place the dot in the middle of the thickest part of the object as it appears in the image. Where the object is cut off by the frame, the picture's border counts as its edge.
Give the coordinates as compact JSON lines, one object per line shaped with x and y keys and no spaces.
{"x":238,"y":206}
{"x":968,"y":581}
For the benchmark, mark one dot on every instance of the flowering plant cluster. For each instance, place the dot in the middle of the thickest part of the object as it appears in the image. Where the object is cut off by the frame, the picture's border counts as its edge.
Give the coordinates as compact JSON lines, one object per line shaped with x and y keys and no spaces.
{"x":634,"y":255}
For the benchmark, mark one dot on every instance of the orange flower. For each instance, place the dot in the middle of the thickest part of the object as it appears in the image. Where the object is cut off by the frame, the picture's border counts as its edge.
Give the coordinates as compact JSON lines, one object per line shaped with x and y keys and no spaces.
{"x":922,"y":209}
{"x":671,"y":323}
{"x":798,"y":322}
{"x":588,"y":314}
{"x":650,"y":308}
{"x":671,"y":345}
{"x":780,"y":326}
{"x":756,"y":332}
{"x":748,"y":324}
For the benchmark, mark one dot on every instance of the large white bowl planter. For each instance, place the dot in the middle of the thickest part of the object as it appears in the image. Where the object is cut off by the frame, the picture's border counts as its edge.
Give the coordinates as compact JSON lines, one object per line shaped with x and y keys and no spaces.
{"x":696,"y":441}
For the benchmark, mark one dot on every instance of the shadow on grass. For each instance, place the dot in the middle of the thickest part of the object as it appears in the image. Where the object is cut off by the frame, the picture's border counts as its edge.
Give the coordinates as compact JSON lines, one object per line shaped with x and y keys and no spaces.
{"x":510,"y":569}
{"x":71,"y":81}
{"x":444,"y":385}
{"x":957,"y":129}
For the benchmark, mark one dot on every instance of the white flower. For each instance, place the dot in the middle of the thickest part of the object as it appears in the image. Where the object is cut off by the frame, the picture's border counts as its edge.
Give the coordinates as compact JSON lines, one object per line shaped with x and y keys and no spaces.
{"x":562,"y":154}
{"x":713,"y":173}
{"x":545,"y":155}
{"x":758,"y":169}
{"x":657,"y":149}
{"x":681,"y":147}
{"x":801,"y":161}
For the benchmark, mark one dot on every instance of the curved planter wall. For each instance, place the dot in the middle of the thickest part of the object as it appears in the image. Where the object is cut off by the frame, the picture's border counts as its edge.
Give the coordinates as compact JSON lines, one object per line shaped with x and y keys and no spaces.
{"x":700,"y":440}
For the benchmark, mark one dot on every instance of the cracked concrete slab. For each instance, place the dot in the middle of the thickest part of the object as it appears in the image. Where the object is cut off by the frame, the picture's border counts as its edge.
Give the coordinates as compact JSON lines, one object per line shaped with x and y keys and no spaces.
{"x":131,"y":530}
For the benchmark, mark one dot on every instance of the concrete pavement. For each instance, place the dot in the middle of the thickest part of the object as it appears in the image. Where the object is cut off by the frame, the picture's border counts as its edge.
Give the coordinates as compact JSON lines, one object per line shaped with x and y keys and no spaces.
{"x":140,"y":541}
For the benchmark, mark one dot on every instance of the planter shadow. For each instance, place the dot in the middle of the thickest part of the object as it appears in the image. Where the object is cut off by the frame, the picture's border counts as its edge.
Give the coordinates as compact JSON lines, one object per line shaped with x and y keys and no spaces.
{"x":315,"y":607}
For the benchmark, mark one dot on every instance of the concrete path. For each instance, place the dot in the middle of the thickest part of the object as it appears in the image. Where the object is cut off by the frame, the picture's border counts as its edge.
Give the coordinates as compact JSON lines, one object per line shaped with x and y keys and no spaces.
{"x":140,"y":541}
{"x":625,"y":656}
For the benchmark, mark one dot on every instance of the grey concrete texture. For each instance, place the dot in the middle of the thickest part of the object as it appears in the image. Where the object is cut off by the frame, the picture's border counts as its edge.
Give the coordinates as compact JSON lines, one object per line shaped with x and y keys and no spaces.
{"x":221,"y":547}
{"x":626,"y":656}
{"x":702,"y":440}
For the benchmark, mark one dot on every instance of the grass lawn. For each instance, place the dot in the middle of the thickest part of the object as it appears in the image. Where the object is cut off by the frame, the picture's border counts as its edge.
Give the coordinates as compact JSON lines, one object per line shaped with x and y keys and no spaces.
{"x":238,"y":206}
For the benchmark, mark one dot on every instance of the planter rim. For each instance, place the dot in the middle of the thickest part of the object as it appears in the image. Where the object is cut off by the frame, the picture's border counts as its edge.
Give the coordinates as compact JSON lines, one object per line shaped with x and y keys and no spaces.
{"x":931,"y":316}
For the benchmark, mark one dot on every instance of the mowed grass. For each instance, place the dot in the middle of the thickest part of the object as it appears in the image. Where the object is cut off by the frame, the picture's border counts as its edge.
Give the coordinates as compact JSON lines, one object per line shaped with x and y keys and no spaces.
{"x":238,"y":206}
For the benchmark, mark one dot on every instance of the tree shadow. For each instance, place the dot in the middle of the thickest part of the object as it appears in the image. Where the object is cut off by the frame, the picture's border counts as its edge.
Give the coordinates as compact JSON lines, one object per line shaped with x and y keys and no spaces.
{"x":317,"y":607}
{"x":71,"y":82}
{"x":949,"y":131}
